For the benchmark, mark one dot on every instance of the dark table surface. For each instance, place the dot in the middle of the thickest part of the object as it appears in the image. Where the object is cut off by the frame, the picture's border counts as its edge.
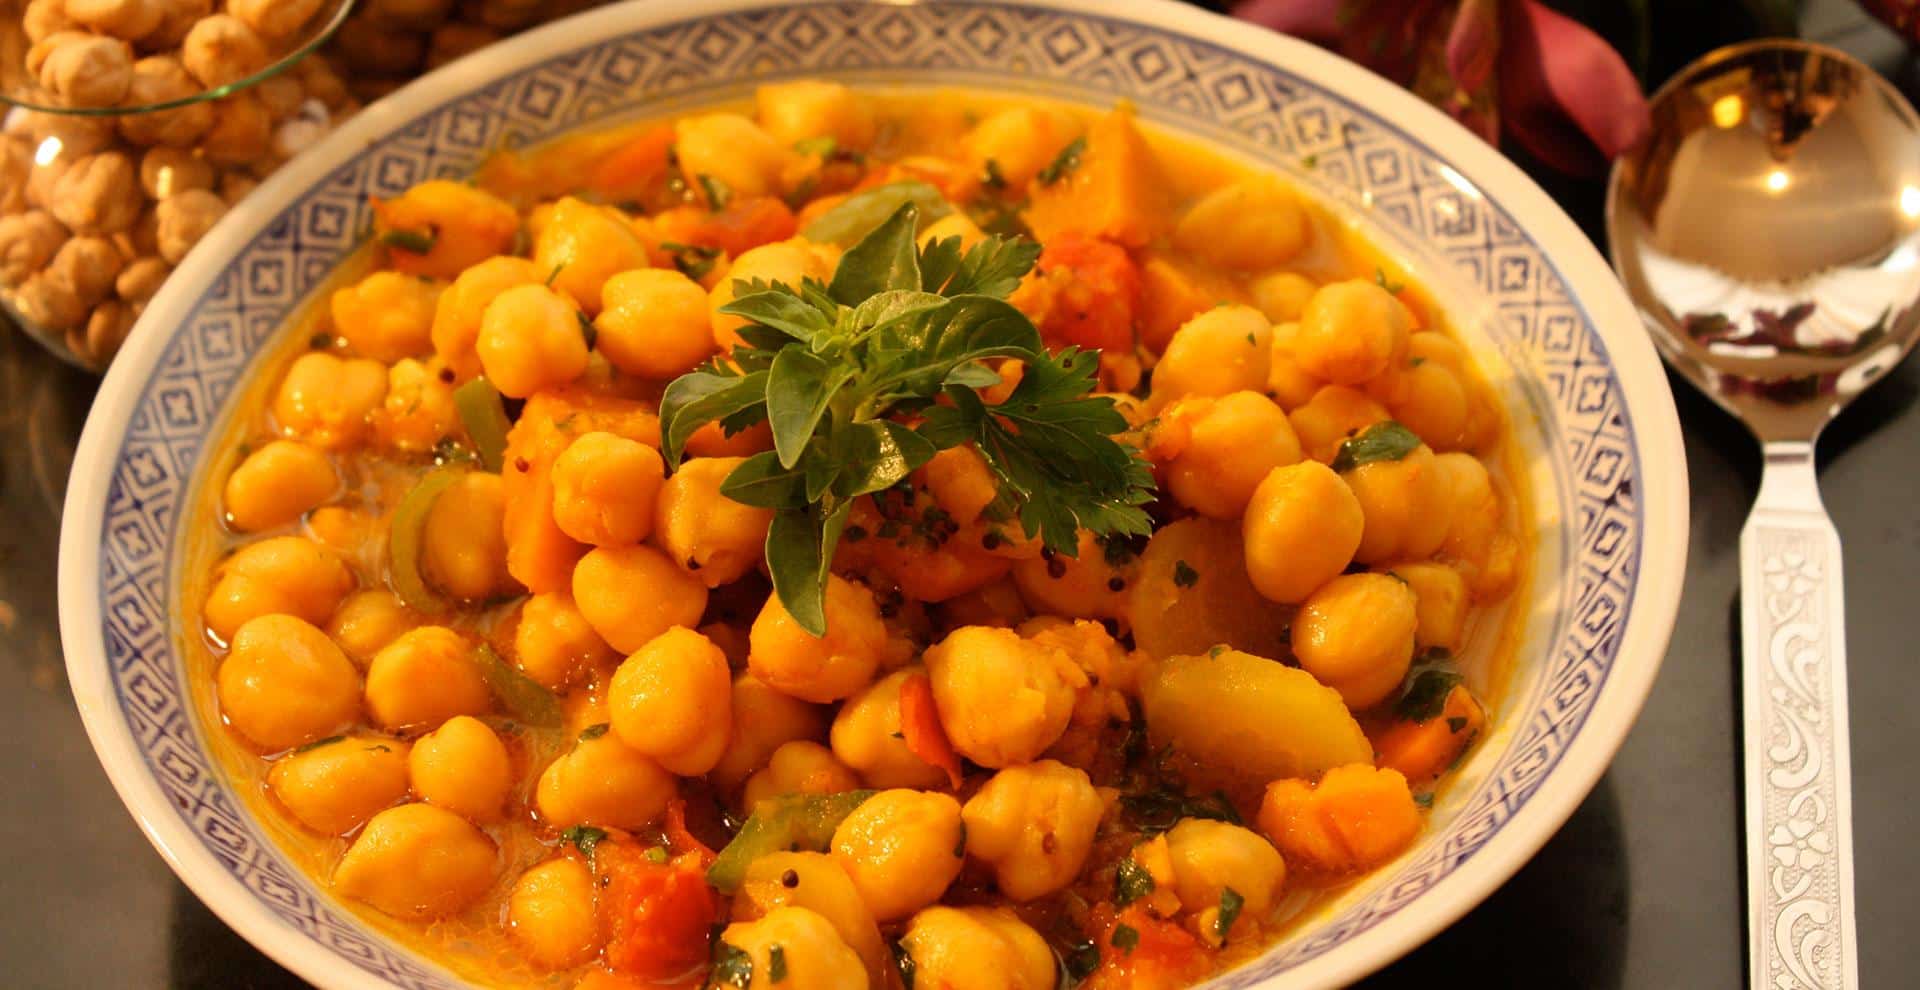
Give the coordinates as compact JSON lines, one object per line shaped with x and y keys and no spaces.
{"x":1641,"y":888}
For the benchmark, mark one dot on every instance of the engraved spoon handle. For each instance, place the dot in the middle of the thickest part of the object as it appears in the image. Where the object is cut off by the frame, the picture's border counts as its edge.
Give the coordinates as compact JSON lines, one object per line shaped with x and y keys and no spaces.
{"x":1799,"y":813}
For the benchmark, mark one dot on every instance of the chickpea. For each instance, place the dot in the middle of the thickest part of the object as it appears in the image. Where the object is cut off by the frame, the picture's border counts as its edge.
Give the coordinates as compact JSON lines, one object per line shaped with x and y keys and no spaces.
{"x":16,"y":164}
{"x":138,"y":282}
{"x":1441,"y":604}
{"x":792,"y":660}
{"x":100,"y":194}
{"x":653,"y":323}
{"x":418,"y":411}
{"x":1084,"y":586}
{"x":786,"y":262}
{"x":799,"y":767}
{"x":351,"y":532}
{"x":1235,"y":443}
{"x":85,"y":267}
{"x":1020,"y":141}
{"x":367,"y":621}
{"x":222,"y":49}
{"x":334,"y":787}
{"x":1355,"y":635}
{"x":455,"y":39}
{"x":1427,"y":399}
{"x":1474,"y":526}
{"x":1220,"y":351}
{"x":162,"y":79}
{"x":977,"y":948}
{"x":997,"y":604}
{"x":386,"y":316}
{"x":551,"y":914}
{"x":284,"y":683}
{"x":278,"y":484}
{"x":715,"y":538}
{"x":953,"y":225}
{"x":819,"y":884}
{"x":241,"y":136}
{"x":813,"y":955}
{"x":1253,"y":224}
{"x":632,"y":594}
{"x":418,"y":861}
{"x":671,"y":700}
{"x":1408,"y":506}
{"x":901,"y":848}
{"x":1035,"y":824}
{"x":184,"y":218}
{"x":555,"y":644}
{"x":1301,"y":529}
{"x":961,"y":483}
{"x":1209,"y":857}
{"x":128,"y":20}
{"x":424,"y":678}
{"x":1282,"y":296}
{"x":289,"y":574}
{"x":1286,"y":383}
{"x":43,"y":18}
{"x":81,"y":69}
{"x":457,"y":314}
{"x":107,"y":329}
{"x":1334,"y":414}
{"x":466,"y":225}
{"x":281,"y":95}
{"x":584,"y":246}
{"x":1354,"y":819}
{"x":177,"y":17}
{"x":763,"y":720}
{"x":605,"y":488}
{"x":273,"y":18}
{"x":731,"y":149}
{"x":530,"y":340}
{"x":1002,"y":699}
{"x":866,"y":737}
{"x":602,"y":782}
{"x":1351,"y":331}
{"x":462,"y":767}
{"x":28,"y":242}
{"x":807,"y":108}
{"x":50,"y":305}
{"x":464,"y":546}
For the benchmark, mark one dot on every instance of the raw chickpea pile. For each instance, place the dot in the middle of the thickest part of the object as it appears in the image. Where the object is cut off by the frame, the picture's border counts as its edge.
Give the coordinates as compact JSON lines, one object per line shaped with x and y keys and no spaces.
{"x":517,"y":683}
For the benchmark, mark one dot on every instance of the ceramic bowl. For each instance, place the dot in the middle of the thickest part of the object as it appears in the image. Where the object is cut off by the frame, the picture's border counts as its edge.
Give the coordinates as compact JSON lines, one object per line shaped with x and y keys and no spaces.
{"x":1524,"y":286}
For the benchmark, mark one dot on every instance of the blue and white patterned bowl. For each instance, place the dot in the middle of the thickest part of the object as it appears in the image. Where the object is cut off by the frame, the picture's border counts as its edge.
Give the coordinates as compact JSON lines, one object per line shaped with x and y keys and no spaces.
{"x":1530,"y":294}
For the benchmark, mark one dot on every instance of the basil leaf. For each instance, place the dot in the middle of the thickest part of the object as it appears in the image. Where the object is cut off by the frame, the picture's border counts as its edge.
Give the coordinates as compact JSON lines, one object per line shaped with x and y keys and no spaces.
{"x":886,"y":309}
{"x":800,"y":545}
{"x":884,"y":260}
{"x":860,"y":213}
{"x":1383,"y":441}
{"x":799,"y":386}
{"x":700,"y":397}
{"x":761,"y":482}
{"x":1063,"y":163}
{"x":777,"y":310}
{"x":878,"y":454}
{"x":972,"y":374}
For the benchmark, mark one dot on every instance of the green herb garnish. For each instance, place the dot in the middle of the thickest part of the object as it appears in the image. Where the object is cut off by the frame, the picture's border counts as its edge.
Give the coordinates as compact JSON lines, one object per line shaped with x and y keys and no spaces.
{"x":1184,"y":575}
{"x":732,"y":967}
{"x":585,"y":838}
{"x":1230,"y":904}
{"x":821,"y":147}
{"x":990,"y":176}
{"x":1424,"y":695}
{"x":410,"y":241}
{"x":1079,"y":959}
{"x":1063,"y":163}
{"x":693,"y":260}
{"x":1131,"y":881}
{"x":594,"y":731}
{"x":1161,"y":808}
{"x":1125,"y":938}
{"x":834,"y":368}
{"x":719,"y":194}
{"x":903,"y":961}
{"x":656,"y":855}
{"x":317,"y":743}
{"x":1380,"y":276}
{"x":485,"y":418}
{"x":1383,"y":441}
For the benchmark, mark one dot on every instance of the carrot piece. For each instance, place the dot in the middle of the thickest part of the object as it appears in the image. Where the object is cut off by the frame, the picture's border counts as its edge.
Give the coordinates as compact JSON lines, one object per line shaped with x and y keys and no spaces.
{"x":1172,"y":293}
{"x":658,"y":915}
{"x":1118,"y":189}
{"x":1354,"y":819}
{"x":628,"y":171}
{"x":1141,"y":952}
{"x":926,"y":738}
{"x":1422,"y":751}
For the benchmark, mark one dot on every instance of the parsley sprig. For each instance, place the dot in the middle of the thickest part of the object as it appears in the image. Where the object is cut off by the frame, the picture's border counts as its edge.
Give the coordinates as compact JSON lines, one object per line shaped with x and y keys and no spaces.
{"x":847,"y":375}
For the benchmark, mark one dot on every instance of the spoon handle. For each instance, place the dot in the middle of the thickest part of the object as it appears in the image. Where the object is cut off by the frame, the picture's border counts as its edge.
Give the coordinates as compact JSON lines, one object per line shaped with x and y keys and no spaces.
{"x":1799,"y":812}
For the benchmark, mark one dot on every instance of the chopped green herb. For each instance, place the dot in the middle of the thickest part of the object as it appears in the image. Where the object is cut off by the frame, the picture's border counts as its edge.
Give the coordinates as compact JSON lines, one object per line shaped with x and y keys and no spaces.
{"x":1184,"y":575}
{"x":557,"y":269}
{"x":1213,"y":652}
{"x":990,"y":176}
{"x":1383,"y":441}
{"x":1456,"y":723}
{"x":1125,"y":938}
{"x":1416,"y":362}
{"x":588,"y":331}
{"x":1161,"y":808}
{"x":1063,"y":163}
{"x":320,"y":341}
{"x":776,"y":964}
{"x":960,"y":847}
{"x":732,"y":967}
{"x":585,"y":838}
{"x":695,"y":261}
{"x":1311,"y":161}
{"x":903,"y":961}
{"x":1249,"y":339}
{"x":1230,"y":904}
{"x":594,"y":731}
{"x":1424,"y":695}
{"x":317,"y":743}
{"x":523,"y":697}
{"x":656,"y":854}
{"x":1131,"y":881}
{"x":1380,"y":276}
{"x":379,"y":748}
{"x":1424,"y":800}
{"x":1079,"y":959}
{"x":718,"y":192}
{"x":820,"y":147}
{"x":410,"y":241}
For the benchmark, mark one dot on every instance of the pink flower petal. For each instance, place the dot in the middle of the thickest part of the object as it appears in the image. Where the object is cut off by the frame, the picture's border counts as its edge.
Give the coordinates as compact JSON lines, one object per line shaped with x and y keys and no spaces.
{"x":1566,"y":96}
{"x":1315,"y":20}
{"x":1474,"y":43}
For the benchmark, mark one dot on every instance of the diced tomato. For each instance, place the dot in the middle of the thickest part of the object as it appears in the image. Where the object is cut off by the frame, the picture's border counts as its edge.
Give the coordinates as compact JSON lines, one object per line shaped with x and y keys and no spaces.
{"x":920,"y":724}
{"x":746,"y":223}
{"x":631,"y":171}
{"x":659,"y":916}
{"x":1089,"y":290}
{"x":1162,"y":956}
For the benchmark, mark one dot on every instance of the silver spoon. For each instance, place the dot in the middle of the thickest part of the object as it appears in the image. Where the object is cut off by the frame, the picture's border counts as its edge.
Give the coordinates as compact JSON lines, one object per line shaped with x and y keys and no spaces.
{"x":1769,"y":229}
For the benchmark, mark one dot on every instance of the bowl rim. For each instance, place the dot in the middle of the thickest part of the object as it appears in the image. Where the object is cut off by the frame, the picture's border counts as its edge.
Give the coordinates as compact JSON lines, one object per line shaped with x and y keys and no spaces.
{"x":1662,"y":492}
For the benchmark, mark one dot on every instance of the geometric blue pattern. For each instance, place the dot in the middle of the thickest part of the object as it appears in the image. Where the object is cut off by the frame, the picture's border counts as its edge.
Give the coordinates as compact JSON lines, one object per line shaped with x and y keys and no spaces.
{"x":1183,"y":84}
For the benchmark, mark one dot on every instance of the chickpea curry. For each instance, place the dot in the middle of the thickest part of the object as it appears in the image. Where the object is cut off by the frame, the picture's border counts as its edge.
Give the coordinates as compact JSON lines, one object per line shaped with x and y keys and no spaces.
{"x":871,"y":538}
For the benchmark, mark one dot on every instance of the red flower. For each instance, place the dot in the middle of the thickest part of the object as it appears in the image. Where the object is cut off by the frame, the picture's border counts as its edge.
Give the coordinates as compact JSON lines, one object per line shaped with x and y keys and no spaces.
{"x":1498,"y":66}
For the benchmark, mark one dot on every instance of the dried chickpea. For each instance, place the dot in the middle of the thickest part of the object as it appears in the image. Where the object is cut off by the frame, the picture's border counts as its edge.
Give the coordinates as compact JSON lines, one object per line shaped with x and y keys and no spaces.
{"x":901,"y":848}
{"x":798,"y":767}
{"x":600,"y":781}
{"x":371,"y":48}
{"x":1300,"y":531}
{"x":327,"y":400}
{"x":284,"y":683}
{"x":1035,"y":824}
{"x":288,"y":574}
{"x":367,"y":621}
{"x":128,"y":20}
{"x":1220,"y":351}
{"x":418,"y":411}
{"x":1235,"y":442}
{"x":184,"y":218}
{"x":86,"y":267}
{"x":672,"y":700}
{"x":43,"y":18}
{"x":551,"y":914}
{"x":463,"y":550}
{"x":457,"y":314}
{"x":107,"y":329}
{"x":276,"y":485}
{"x":281,"y":95}
{"x":583,"y":245}
{"x":462,"y":766}
{"x":424,"y":678}
{"x":1355,"y":634}
{"x":16,"y":164}
{"x":605,"y":489}
{"x":222,"y":49}
{"x":455,"y":39}
{"x":653,"y":323}
{"x":273,"y":18}
{"x":334,"y":787}
{"x":632,"y":594}
{"x":83,"y":70}
{"x":811,"y":667}
{"x":165,"y":171}
{"x":177,"y":17}
{"x":162,"y":79}
{"x":714,"y":538}
{"x":28,"y":242}
{"x":386,"y":316}
{"x":99,"y":194}
{"x":530,"y":340}
{"x":242,"y":131}
{"x":554,"y":643}
{"x":50,"y":305}
{"x":866,"y":736}
{"x":417,"y":861}
{"x":1351,"y":331}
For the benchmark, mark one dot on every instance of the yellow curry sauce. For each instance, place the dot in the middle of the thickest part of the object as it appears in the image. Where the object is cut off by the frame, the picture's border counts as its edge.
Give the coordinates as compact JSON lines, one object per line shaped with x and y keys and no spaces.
{"x":510,"y":712}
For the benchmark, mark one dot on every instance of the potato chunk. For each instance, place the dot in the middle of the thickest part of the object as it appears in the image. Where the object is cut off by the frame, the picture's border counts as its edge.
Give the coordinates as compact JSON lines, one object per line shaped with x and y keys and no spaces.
{"x":1260,"y":717}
